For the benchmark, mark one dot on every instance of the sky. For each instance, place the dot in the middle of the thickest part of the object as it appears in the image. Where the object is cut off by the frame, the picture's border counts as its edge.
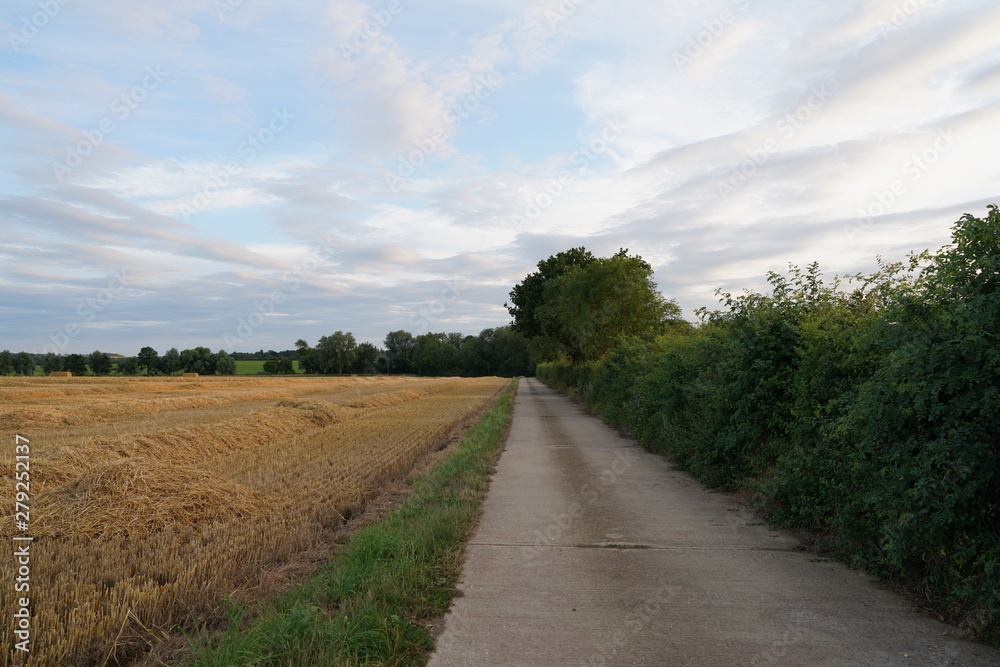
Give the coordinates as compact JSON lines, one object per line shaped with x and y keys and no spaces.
{"x":240,"y":174}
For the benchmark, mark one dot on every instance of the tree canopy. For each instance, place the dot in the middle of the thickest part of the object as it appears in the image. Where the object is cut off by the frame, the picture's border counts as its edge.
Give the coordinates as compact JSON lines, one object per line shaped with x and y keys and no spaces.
{"x":581,"y":307}
{"x":399,"y":347}
{"x":99,"y":362}
{"x":529,"y":295}
{"x":224,"y":364}
{"x":75,"y":364}
{"x":337,"y":351}
{"x":148,"y":359}
{"x":198,"y":360}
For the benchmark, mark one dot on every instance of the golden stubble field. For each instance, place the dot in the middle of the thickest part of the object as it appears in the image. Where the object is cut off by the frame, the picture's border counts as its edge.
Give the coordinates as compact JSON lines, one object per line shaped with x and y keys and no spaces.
{"x":154,"y":499}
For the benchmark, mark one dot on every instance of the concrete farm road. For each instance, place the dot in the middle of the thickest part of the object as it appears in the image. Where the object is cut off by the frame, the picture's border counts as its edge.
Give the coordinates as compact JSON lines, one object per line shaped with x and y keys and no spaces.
{"x":594,"y":552}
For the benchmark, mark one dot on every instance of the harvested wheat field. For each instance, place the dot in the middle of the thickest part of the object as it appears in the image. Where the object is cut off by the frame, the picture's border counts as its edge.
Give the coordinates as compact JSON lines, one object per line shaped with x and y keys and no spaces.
{"x":153,"y":500}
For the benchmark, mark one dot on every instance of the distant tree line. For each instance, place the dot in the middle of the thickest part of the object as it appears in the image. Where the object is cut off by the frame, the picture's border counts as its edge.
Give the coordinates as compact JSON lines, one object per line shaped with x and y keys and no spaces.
{"x":496,"y":351}
{"x":199,"y":360}
{"x":16,"y":364}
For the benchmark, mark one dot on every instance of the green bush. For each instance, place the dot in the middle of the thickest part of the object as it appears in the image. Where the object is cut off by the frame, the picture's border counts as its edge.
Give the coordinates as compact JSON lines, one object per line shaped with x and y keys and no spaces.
{"x":869,"y":415}
{"x":572,"y":379}
{"x":926,"y":427}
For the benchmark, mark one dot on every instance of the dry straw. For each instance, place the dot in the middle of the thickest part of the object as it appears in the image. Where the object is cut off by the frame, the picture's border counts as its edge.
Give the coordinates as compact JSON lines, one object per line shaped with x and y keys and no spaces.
{"x":137,"y":496}
{"x":59,"y":404}
{"x":138,"y":535}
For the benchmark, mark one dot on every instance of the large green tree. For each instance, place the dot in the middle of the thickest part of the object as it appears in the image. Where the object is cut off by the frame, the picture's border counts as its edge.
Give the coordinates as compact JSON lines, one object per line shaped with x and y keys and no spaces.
{"x":99,"y":362}
{"x":199,"y":360}
{"x":310,"y":360}
{"x":589,"y":309}
{"x":437,"y":354}
{"x":224,"y":364}
{"x":6,"y":362}
{"x":399,"y":347}
{"x":128,"y":366}
{"x":170,"y":362}
{"x":75,"y":364}
{"x":24,"y":364}
{"x":365,"y":358}
{"x":338,"y":351}
{"x":506,"y":352}
{"x":148,"y":359}
{"x":477,"y":357}
{"x":529,"y":295}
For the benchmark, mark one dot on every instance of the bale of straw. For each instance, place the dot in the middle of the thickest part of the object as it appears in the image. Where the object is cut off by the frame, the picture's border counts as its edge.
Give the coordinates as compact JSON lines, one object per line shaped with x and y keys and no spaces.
{"x":60,"y":374}
{"x":190,"y":375}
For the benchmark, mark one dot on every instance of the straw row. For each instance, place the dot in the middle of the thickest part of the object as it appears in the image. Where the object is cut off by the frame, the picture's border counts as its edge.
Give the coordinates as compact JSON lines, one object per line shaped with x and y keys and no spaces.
{"x":137,"y":536}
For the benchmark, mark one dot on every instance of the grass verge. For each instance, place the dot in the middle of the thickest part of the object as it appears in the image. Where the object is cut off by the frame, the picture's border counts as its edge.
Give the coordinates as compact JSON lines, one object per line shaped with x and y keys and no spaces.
{"x":368,"y":607}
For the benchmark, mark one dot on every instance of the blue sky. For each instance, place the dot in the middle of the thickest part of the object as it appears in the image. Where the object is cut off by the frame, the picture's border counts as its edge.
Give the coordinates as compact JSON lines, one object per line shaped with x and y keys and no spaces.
{"x":240,"y":174}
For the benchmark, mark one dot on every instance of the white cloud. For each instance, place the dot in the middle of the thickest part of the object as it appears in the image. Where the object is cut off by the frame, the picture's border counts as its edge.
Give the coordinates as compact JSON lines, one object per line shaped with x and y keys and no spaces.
{"x":316,"y":194}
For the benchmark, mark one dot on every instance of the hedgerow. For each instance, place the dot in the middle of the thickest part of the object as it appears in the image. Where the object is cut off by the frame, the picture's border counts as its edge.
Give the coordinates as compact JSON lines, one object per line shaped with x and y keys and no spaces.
{"x":868,"y":413}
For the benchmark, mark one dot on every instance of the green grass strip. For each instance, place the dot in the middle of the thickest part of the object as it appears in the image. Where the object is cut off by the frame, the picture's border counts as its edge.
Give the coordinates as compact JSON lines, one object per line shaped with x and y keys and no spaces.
{"x":368,"y":606}
{"x":255,"y":366}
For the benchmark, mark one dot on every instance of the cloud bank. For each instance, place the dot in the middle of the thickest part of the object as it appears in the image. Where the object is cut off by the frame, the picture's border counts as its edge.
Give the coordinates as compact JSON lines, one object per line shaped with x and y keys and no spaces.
{"x":244,"y":173}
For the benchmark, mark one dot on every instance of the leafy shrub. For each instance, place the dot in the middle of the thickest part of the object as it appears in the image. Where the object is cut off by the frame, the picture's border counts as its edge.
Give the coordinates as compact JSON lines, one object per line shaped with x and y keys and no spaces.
{"x":869,"y":415}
